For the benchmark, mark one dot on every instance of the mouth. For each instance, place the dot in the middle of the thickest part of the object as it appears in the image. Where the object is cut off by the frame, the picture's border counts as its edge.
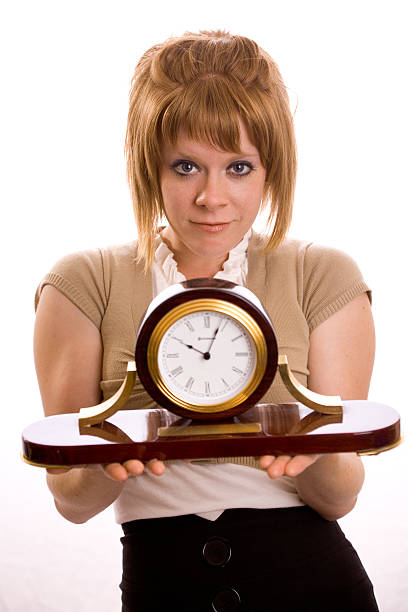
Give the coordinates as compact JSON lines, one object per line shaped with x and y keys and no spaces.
{"x":212,"y":227}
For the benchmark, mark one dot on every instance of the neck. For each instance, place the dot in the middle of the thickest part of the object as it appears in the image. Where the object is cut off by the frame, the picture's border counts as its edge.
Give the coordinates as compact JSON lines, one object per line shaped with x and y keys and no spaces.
{"x":199,"y":269}
{"x":193,"y":265}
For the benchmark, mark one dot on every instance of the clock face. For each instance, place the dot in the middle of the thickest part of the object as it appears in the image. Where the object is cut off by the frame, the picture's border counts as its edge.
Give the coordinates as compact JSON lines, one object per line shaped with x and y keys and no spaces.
{"x":206,"y":357}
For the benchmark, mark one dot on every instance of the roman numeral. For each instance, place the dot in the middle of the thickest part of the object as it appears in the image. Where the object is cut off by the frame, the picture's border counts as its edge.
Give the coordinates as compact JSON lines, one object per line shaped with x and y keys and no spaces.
{"x":241,"y":354}
{"x":207,"y":388}
{"x":172,"y":355}
{"x":189,"y":383}
{"x":237,"y":370}
{"x":190,"y":327}
{"x":225,"y":383}
{"x":236,"y":337}
{"x":206,"y":321}
{"x":176,"y":371}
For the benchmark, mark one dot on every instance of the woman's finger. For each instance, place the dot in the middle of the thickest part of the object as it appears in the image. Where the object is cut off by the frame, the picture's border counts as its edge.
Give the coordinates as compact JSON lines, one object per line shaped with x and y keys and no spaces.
{"x":299,"y":463}
{"x":58,"y":470}
{"x":274,"y":466}
{"x":278,"y":467}
{"x":116,"y":471}
{"x":266,"y":460}
{"x":156,"y":467}
{"x":134,"y":467}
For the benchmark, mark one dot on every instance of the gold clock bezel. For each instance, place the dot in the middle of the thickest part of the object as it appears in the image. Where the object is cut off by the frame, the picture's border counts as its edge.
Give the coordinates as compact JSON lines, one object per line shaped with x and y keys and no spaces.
{"x":215,"y":305}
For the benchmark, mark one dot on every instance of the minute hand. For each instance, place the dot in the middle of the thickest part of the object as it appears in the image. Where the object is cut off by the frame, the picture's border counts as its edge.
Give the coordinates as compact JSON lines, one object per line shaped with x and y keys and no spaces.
{"x":213,"y":338}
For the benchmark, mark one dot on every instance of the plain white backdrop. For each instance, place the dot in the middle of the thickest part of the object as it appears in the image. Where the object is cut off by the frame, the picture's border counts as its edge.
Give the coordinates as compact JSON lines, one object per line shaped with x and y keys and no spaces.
{"x":65,"y":79}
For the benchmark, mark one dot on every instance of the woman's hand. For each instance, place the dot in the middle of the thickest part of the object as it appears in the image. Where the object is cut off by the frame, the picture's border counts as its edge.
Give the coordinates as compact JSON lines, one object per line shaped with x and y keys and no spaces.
{"x":82,"y":492}
{"x":133,"y":467}
{"x":121,"y":471}
{"x":285,"y":465}
{"x":327,"y":483}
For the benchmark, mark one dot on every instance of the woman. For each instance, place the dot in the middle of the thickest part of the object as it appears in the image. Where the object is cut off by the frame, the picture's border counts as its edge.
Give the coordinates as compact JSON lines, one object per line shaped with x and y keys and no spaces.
{"x":210,"y":143}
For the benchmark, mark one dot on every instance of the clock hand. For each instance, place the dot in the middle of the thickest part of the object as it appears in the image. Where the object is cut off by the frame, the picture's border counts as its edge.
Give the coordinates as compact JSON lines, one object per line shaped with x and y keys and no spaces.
{"x":212,"y":340}
{"x":190,"y":346}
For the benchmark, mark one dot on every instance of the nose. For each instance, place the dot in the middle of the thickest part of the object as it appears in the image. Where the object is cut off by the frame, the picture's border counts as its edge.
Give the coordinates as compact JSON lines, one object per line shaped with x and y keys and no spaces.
{"x":212,"y":192}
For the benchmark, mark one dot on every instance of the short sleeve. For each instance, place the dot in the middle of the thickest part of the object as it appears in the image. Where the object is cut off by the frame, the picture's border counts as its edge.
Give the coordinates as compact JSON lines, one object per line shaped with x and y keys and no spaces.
{"x":81,"y":278}
{"x":331,"y":279}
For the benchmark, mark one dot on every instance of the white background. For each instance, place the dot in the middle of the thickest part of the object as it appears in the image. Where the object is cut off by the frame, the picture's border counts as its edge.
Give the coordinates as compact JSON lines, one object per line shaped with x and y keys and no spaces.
{"x":65,"y":78}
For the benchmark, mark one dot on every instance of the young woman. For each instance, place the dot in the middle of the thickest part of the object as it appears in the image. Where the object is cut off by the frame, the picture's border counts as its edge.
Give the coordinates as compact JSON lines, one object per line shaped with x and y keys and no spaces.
{"x":210,"y":142}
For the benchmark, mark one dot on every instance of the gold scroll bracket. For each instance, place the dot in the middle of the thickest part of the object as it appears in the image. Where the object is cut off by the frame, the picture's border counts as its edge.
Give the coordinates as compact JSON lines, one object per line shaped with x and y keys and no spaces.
{"x":97,"y":414}
{"x":325,"y":404}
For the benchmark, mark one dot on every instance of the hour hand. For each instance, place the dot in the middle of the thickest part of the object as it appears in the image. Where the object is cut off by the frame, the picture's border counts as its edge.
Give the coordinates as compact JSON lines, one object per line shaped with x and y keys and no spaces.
{"x":190,"y":346}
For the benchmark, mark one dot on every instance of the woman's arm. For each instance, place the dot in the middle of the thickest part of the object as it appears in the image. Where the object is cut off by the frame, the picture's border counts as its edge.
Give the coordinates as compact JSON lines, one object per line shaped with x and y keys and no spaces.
{"x":68,"y":358}
{"x":341,"y":358}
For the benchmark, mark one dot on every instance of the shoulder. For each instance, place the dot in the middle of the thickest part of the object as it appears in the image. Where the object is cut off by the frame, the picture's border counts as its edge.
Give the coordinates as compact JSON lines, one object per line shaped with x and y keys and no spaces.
{"x":116,"y":254}
{"x":95,"y":259}
{"x":323,"y":278}
{"x":85,"y":277}
{"x":96,"y":262}
{"x":309,"y":257}
{"x":120,"y":253}
{"x":289,"y":250}
{"x":304,"y":250}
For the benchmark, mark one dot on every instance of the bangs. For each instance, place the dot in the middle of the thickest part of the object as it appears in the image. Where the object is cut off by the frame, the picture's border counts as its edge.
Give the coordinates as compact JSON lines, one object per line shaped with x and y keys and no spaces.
{"x":208,"y":111}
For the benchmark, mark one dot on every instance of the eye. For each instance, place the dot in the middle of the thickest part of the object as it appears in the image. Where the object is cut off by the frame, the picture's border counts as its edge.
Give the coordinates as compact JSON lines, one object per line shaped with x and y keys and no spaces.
{"x":241,"y":168}
{"x":184,"y":167}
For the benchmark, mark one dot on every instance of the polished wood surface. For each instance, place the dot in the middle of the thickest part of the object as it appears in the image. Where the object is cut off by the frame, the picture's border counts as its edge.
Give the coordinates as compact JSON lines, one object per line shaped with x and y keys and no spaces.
{"x":285,"y":429}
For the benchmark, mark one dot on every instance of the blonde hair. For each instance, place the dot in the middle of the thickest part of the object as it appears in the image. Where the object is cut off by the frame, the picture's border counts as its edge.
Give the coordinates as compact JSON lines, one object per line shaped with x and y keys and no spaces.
{"x":203,"y":83}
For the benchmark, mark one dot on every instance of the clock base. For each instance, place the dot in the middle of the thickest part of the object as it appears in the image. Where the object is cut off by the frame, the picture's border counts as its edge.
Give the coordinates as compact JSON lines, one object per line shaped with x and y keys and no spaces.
{"x":364,"y":427}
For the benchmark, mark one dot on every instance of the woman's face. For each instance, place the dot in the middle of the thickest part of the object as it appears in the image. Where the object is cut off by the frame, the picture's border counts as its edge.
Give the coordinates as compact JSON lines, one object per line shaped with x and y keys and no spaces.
{"x":211,"y":198}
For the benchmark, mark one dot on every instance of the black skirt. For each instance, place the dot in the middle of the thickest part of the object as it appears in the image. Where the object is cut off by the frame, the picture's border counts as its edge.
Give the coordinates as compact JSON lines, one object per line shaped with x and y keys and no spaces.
{"x":283,"y":560}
